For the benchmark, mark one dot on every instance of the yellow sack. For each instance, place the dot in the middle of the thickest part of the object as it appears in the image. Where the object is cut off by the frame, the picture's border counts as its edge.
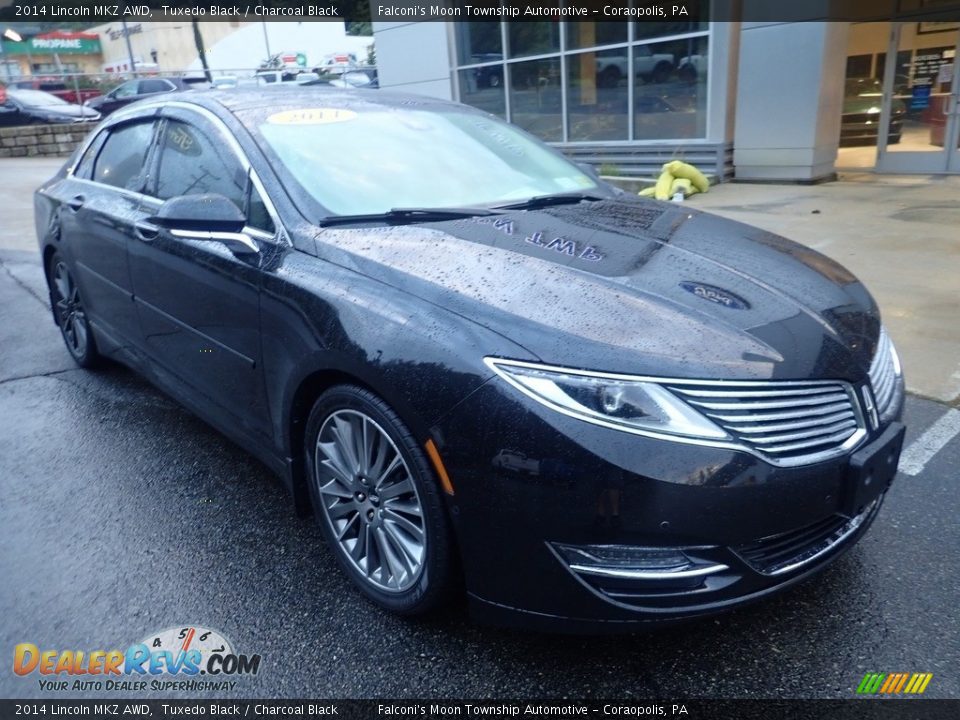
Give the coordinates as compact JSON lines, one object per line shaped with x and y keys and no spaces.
{"x":683,"y":170}
{"x":648,"y":192}
{"x":682,"y":185}
{"x":664,"y":183}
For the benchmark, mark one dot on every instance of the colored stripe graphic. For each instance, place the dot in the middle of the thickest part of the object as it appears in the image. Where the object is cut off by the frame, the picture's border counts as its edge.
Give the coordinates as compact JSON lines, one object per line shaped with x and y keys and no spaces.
{"x":870,"y":683}
{"x":894,"y":683}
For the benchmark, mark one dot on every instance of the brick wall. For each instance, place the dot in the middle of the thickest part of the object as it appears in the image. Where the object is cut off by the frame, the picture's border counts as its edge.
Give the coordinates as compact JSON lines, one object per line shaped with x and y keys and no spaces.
{"x":42,"y":140}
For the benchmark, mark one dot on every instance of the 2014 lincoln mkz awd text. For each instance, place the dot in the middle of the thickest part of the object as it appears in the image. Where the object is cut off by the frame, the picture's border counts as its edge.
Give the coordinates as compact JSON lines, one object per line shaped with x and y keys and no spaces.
{"x":482,"y":368}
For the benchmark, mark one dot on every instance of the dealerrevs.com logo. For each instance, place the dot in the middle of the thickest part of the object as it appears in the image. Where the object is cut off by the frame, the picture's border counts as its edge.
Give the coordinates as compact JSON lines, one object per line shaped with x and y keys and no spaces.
{"x":184,"y":653}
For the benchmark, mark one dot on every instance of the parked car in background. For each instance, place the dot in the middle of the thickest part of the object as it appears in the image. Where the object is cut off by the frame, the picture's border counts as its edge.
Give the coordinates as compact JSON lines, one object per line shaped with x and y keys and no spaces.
{"x":25,"y":107}
{"x":860,"y":122}
{"x":490,"y":76}
{"x":691,"y":67}
{"x":648,"y":65}
{"x":359,"y":78}
{"x":61,"y":89}
{"x":223,"y":82}
{"x":138,"y":89}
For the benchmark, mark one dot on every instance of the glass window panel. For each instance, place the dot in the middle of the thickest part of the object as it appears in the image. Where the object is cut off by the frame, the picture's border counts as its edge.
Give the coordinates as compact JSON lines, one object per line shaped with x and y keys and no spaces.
{"x":535,"y":103}
{"x":696,"y":21}
{"x":533,"y":38}
{"x":191,"y":163}
{"x":858,"y":66}
{"x":121,"y":161}
{"x":257,"y":214}
{"x":597,"y":101}
{"x":592,"y":34}
{"x":922,"y":97}
{"x":478,"y":42}
{"x":670,"y":95}
{"x":483,"y":88}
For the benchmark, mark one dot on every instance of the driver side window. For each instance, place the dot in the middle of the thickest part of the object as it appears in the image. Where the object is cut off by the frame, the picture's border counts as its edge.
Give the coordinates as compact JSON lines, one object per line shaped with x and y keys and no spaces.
{"x":191,"y":163}
{"x":128,"y":89}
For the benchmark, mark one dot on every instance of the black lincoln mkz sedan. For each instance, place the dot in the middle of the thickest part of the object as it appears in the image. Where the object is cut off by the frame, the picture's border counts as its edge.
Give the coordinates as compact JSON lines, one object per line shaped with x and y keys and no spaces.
{"x":478,"y":366}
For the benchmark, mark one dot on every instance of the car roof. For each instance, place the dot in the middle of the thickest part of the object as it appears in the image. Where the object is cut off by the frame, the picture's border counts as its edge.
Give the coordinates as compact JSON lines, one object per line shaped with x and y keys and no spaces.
{"x":241,"y":101}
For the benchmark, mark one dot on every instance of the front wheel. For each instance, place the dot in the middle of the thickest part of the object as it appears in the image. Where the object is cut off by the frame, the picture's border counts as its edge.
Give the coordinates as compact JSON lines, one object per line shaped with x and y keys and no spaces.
{"x":377,"y":501}
{"x":71,"y":315}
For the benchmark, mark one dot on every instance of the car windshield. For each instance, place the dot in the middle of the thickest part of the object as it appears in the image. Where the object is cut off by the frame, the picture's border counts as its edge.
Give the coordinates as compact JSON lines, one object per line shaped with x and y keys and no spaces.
{"x":36,"y":98}
{"x":373,"y":159}
{"x":864,"y":88}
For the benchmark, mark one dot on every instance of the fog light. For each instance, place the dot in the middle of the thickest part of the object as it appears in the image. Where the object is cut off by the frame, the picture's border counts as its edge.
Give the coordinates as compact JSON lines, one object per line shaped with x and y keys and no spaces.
{"x":634,"y":563}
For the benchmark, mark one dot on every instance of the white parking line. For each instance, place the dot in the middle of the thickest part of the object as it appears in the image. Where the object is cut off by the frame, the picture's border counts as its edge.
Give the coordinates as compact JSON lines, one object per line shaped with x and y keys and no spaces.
{"x":932,"y":440}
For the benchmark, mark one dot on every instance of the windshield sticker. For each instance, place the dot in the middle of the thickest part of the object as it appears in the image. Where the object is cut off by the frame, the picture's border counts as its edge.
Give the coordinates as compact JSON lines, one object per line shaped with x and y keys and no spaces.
{"x":311,"y":116}
{"x":179,"y":139}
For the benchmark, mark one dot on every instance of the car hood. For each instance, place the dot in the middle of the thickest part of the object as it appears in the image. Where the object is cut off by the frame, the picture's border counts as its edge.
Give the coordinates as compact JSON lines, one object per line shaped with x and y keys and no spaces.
{"x":64,"y":111}
{"x":630,"y":285}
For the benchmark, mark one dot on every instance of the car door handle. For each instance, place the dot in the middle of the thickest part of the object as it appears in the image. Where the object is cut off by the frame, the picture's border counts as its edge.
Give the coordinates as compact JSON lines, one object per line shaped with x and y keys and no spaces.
{"x":76,"y":202}
{"x":146,"y":231}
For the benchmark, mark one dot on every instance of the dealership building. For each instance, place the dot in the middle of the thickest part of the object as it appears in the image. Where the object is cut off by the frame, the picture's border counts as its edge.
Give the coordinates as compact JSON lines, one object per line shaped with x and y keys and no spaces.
{"x":784,"y":101}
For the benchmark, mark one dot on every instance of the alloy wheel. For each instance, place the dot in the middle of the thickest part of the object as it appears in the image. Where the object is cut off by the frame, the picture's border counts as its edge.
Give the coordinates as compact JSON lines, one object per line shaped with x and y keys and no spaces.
{"x":370,"y":501}
{"x":70,"y":313}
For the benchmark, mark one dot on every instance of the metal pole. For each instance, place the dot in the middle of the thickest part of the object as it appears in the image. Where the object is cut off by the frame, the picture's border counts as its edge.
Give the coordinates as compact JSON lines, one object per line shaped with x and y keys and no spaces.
{"x":126,"y":36}
{"x":266,"y":39}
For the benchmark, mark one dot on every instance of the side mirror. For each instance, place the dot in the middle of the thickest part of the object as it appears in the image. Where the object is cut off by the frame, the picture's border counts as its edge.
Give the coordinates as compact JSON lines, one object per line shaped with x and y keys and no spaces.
{"x":208,"y":212}
{"x":205,"y":217}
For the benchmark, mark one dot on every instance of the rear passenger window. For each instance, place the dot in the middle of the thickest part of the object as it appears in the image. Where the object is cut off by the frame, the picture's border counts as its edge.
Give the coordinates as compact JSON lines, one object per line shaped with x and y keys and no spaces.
{"x":121,"y":161}
{"x":84,"y":168}
{"x":191,"y":163}
{"x":148,"y":87}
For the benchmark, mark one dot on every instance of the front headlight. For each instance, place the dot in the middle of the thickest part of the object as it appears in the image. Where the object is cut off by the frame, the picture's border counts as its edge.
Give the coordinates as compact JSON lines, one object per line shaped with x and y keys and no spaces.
{"x":618,"y":401}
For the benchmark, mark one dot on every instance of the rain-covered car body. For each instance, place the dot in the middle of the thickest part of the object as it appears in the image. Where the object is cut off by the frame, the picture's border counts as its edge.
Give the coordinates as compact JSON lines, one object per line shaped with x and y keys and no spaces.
{"x":487,"y":331}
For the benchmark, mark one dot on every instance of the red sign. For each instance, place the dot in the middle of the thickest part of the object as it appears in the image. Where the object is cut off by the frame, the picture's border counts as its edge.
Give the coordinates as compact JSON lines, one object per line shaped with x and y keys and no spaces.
{"x":3,"y":94}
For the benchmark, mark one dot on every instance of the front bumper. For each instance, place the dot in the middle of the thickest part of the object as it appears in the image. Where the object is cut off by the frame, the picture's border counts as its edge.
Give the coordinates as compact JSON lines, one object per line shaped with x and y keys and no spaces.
{"x":532,"y":484}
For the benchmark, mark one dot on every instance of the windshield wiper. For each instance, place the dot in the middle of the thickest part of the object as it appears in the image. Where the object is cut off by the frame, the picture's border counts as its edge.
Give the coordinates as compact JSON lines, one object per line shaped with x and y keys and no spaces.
{"x":401,"y":215}
{"x":540,"y":201}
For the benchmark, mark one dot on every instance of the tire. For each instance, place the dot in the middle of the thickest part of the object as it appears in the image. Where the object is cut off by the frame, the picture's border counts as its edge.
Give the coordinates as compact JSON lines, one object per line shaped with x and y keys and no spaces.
{"x":382,"y":515}
{"x":687,"y":74}
{"x":661,"y":73}
{"x":71,"y":315}
{"x":610,"y":77}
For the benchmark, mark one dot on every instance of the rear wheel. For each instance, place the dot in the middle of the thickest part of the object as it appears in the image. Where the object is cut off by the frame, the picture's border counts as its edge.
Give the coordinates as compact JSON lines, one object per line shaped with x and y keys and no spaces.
{"x":377,"y":501}
{"x":71,"y":315}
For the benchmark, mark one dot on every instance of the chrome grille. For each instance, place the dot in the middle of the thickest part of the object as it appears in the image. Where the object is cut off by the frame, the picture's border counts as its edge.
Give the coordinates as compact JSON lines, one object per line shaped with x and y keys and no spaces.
{"x":780,"y":554}
{"x":791,"y":423}
{"x":884,"y":376}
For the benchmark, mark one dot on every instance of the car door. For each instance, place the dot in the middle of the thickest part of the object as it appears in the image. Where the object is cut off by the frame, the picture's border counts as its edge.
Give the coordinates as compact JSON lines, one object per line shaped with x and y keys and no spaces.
{"x":10,"y":114}
{"x":197,"y":301}
{"x":100,"y":205}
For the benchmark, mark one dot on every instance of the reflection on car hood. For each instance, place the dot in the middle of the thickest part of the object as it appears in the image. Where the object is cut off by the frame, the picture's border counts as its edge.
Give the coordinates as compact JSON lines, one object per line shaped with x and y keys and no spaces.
{"x":633,"y":286}
{"x":67,"y":111}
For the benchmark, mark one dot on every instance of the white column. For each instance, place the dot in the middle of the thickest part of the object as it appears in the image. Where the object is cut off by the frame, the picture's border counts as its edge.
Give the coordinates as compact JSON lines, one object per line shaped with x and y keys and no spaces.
{"x":789,"y":100}
{"x":414,"y":57}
